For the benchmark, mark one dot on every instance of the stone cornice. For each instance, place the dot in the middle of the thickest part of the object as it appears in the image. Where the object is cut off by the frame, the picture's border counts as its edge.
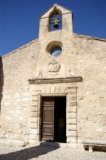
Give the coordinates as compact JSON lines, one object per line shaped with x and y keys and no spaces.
{"x":55,"y":80}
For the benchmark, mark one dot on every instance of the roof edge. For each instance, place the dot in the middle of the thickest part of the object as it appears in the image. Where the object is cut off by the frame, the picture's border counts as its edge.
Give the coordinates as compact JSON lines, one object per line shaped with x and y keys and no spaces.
{"x":54,"y":6}
{"x":12,"y":52}
{"x":90,"y":37}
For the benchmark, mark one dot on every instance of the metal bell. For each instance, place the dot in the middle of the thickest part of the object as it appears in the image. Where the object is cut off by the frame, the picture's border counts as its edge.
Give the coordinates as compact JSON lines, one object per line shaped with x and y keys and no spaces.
{"x":56,"y":22}
{"x":56,"y":25}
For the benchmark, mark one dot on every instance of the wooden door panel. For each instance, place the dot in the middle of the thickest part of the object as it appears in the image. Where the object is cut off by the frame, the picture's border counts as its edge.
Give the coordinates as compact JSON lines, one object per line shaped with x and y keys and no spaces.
{"x":47,"y":114}
{"x":48,"y":118}
{"x":47,"y":130}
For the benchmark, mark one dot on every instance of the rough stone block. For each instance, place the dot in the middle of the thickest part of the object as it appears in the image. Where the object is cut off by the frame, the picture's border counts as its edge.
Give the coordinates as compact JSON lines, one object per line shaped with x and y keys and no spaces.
{"x":72,"y":91}
{"x":6,"y":96}
{"x":33,"y":119}
{"x":71,"y":121}
{"x":33,"y":125}
{"x":8,"y":118}
{"x":14,"y":143}
{"x":33,"y":131}
{"x":34,"y":109}
{"x":33,"y":137}
{"x":7,"y":103}
{"x":71,"y":134}
{"x":71,"y":98}
{"x":33,"y":114}
{"x":72,"y":109}
{"x":72,"y":103}
{"x":32,"y":141}
{"x":27,"y":94}
{"x":72,"y":127}
{"x":71,"y":115}
{"x":34,"y":103}
{"x":36,"y":92}
{"x":33,"y":87}
{"x":25,"y":99}
{"x":34,"y":98}
{"x":17,"y":95}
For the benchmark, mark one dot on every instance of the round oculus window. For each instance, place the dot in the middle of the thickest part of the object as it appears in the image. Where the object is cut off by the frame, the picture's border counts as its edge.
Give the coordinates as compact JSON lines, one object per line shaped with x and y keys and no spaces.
{"x":56,"y":51}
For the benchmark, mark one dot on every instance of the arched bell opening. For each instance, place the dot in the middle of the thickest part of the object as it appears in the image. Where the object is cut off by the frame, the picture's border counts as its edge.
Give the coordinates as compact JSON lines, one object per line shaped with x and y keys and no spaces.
{"x":55,"y":20}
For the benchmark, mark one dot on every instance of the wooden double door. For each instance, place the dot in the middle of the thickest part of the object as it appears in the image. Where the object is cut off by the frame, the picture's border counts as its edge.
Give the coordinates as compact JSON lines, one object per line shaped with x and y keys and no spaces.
{"x":53,"y":108}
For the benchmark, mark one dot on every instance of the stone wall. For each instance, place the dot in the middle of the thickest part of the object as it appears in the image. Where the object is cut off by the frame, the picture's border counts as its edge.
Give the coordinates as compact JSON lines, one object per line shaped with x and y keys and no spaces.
{"x":82,"y":56}
{"x":91,"y":65}
{"x":16,"y":97}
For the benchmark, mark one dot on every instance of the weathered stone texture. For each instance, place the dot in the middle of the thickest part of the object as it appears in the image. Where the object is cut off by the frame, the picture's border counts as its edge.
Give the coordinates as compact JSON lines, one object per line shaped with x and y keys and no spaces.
{"x":86,"y":101}
{"x":91,"y":98}
{"x":16,"y":100}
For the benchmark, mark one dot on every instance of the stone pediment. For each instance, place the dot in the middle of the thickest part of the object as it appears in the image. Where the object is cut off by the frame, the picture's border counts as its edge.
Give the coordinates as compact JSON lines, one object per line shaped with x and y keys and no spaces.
{"x":55,"y":6}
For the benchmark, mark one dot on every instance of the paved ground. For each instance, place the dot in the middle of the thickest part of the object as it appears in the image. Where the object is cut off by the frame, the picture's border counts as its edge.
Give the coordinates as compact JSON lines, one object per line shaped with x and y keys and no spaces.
{"x":47,"y":153}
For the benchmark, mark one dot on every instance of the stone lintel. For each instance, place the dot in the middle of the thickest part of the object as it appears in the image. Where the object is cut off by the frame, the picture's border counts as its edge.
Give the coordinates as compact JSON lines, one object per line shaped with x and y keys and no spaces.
{"x":55,"y":80}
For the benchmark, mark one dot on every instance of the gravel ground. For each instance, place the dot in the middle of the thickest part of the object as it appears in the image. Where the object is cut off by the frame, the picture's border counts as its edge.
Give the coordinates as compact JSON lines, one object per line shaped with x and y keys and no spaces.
{"x":47,"y":153}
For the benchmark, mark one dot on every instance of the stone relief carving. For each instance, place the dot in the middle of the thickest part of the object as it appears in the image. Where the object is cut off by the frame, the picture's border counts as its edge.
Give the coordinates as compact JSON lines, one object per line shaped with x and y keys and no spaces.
{"x":39,"y":75}
{"x":71,"y":71}
{"x":53,"y":67}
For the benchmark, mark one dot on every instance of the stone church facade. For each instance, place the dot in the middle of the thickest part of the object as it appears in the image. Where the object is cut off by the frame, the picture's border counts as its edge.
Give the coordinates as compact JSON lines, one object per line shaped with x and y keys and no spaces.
{"x":59,"y":75}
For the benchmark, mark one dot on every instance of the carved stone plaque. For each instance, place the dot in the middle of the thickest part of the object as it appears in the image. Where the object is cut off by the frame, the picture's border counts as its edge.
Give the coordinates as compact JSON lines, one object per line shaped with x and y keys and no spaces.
{"x":53,"y":67}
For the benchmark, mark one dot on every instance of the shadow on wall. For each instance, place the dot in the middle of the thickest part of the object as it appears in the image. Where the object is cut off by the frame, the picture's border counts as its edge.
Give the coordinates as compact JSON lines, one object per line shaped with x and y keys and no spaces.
{"x":29,"y":153}
{"x":1,"y":81}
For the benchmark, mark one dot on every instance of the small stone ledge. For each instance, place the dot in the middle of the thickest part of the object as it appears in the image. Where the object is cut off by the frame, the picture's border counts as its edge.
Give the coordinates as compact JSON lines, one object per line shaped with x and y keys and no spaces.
{"x":92,"y":143}
{"x":55,"y":80}
{"x":14,"y":143}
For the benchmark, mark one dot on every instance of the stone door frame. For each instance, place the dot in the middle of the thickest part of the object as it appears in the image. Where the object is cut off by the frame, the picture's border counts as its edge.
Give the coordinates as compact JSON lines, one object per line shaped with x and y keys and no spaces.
{"x":40,"y":88}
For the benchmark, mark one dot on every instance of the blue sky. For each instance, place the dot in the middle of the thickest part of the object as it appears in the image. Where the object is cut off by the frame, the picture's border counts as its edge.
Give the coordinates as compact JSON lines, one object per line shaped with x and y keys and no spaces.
{"x":19,"y":20}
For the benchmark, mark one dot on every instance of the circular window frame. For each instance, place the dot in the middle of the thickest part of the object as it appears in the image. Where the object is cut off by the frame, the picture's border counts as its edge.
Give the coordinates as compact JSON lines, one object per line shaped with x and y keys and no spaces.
{"x":52,"y":45}
{"x":55,"y":49}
